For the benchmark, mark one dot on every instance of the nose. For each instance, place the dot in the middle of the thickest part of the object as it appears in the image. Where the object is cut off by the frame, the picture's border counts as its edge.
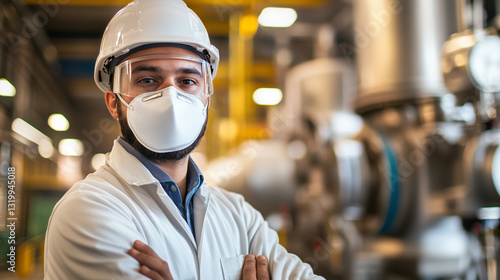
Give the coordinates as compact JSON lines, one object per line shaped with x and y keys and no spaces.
{"x":169,"y":81}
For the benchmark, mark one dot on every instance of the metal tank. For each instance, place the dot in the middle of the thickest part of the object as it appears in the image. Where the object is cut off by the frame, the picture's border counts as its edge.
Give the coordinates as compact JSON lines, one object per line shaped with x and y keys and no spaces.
{"x":398,"y":50}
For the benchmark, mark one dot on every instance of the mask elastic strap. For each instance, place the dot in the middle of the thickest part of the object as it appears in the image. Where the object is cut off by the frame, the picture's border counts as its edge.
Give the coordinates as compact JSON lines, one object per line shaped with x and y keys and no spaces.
{"x":205,"y":109}
{"x":122,"y":100}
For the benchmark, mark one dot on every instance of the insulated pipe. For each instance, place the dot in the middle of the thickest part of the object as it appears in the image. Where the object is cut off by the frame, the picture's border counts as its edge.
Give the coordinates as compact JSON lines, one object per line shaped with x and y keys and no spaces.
{"x":398,"y":47}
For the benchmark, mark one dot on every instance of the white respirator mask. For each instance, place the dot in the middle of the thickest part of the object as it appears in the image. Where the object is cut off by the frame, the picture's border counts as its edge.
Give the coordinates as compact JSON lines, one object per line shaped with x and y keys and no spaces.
{"x":167,"y":119}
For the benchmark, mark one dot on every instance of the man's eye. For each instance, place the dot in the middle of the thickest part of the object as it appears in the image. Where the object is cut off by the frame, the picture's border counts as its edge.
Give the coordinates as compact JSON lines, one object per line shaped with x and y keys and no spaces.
{"x":146,"y":81}
{"x":188,"y":82}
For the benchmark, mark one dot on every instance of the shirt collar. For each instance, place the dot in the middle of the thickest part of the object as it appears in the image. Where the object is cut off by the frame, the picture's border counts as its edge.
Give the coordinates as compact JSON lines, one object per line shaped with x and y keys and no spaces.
{"x":194,"y":176}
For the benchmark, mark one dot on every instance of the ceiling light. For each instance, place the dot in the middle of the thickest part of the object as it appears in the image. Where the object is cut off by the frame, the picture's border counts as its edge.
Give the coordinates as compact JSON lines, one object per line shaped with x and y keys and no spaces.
{"x":71,"y":147}
{"x":489,"y":213}
{"x":6,"y":88}
{"x":277,"y":17}
{"x":98,"y":160}
{"x":45,"y":148}
{"x":58,"y":122}
{"x":267,"y":96}
{"x":29,"y":132}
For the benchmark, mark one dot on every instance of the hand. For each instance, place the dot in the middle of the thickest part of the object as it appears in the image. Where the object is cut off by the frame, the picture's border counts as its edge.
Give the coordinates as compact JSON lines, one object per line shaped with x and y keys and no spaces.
{"x":255,"y":268}
{"x":152,"y":266}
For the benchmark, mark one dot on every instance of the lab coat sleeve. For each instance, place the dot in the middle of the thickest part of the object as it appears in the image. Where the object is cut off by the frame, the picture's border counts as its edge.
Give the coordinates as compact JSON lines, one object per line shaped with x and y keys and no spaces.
{"x":264,"y":241}
{"x":88,"y":237}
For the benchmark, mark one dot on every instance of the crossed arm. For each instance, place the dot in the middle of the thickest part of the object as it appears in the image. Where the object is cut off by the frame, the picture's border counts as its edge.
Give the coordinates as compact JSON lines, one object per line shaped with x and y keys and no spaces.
{"x":152,"y":266}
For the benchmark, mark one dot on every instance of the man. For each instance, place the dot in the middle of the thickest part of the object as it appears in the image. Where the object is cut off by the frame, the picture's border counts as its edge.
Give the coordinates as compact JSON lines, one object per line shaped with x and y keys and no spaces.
{"x":147,"y":213}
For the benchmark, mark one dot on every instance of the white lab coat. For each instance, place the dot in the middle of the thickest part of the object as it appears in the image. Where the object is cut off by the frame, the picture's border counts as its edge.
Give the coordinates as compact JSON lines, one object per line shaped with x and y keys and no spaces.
{"x":94,"y":225}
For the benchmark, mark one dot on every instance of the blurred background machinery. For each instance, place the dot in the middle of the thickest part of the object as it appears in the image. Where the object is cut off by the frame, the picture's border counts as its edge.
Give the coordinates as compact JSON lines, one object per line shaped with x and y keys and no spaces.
{"x":415,"y":189}
{"x":365,"y":131}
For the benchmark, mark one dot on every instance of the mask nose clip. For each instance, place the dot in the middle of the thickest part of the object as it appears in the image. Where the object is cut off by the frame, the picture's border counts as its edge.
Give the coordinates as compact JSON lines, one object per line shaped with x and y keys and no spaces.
{"x":154,"y":96}
{"x":184,"y":98}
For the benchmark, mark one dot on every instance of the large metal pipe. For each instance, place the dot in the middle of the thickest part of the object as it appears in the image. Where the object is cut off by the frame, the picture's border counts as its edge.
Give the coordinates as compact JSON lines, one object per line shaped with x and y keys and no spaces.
{"x":398,"y":47}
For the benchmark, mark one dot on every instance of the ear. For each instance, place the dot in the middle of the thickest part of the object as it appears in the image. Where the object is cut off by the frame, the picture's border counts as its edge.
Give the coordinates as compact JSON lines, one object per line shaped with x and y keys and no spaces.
{"x":112,"y":103}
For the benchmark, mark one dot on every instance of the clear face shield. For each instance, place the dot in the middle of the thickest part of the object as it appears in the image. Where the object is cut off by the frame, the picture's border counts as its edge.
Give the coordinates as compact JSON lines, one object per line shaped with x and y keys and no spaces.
{"x":150,"y":73}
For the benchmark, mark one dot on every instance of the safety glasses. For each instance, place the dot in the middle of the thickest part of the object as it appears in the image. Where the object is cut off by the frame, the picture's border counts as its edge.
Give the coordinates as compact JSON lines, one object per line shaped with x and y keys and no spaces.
{"x":149,"y":73}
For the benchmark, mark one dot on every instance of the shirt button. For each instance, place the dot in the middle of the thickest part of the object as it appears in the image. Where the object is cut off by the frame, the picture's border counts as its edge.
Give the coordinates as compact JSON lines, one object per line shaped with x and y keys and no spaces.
{"x":173,"y":188}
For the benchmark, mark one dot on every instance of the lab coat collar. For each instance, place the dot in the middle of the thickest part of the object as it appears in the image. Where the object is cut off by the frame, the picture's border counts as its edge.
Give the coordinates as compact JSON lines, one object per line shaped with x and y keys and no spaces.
{"x":156,"y":171}
{"x":133,"y":172}
{"x":128,"y":166}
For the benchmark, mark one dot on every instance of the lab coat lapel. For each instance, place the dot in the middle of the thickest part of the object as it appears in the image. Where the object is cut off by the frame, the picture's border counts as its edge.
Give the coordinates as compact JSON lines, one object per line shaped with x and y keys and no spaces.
{"x":200,"y":209}
{"x":172,"y":212}
{"x":130,"y":169}
{"x":121,"y":163}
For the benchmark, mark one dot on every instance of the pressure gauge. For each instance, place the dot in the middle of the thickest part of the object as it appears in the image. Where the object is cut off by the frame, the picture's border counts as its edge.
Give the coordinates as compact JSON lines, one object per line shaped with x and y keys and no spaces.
{"x":484,"y":64}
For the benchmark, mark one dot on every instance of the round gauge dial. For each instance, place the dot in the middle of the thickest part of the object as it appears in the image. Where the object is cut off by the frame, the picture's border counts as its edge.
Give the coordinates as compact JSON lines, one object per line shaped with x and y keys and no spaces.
{"x":484,"y":64}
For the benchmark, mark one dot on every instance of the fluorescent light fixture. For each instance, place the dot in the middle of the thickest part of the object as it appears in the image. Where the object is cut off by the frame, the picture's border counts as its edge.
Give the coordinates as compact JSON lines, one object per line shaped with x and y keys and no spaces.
{"x":489,"y":213}
{"x":98,"y":160}
{"x":58,"y":122}
{"x":71,"y":147}
{"x":29,"y":132}
{"x":267,"y":96}
{"x":6,"y":88}
{"x":277,"y":17}
{"x":45,"y":148}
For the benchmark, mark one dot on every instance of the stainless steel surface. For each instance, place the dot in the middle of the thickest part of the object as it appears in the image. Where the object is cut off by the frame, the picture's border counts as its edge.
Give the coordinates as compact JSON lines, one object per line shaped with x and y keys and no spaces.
{"x":317,"y":88}
{"x":454,"y":65}
{"x":398,"y":47}
{"x":483,"y":189}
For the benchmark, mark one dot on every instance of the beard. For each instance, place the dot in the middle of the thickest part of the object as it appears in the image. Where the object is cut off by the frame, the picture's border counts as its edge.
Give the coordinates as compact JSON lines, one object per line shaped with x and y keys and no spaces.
{"x":130,"y":138}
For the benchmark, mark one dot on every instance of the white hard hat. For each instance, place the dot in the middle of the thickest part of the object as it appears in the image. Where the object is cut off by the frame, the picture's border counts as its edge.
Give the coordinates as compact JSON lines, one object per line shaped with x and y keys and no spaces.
{"x":150,"y":23}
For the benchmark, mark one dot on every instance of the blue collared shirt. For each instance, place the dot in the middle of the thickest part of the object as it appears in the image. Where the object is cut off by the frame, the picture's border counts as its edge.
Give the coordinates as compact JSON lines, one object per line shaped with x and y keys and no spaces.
{"x":194,"y":181}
